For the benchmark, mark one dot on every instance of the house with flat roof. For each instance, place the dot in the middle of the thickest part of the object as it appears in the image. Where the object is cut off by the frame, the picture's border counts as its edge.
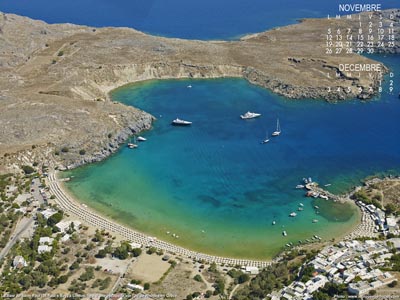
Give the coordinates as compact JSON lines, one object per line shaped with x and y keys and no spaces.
{"x":45,"y":240}
{"x":63,"y":226}
{"x":48,"y":213}
{"x":44,"y":248}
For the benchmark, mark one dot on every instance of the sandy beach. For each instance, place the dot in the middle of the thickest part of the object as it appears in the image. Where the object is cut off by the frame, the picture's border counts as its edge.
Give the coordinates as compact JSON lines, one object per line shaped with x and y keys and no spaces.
{"x":364,"y":228}
{"x":72,"y":206}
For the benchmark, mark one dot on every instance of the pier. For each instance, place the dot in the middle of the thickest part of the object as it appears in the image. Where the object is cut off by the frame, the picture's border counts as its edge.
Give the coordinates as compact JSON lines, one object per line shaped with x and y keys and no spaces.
{"x":314,"y":190}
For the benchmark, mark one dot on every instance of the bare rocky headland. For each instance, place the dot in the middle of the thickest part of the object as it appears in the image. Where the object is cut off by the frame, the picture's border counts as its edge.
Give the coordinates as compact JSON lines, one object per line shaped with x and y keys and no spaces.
{"x":55,"y":79}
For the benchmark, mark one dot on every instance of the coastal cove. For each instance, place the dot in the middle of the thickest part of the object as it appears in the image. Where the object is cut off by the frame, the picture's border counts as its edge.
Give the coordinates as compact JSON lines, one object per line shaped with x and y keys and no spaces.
{"x":217,"y":188}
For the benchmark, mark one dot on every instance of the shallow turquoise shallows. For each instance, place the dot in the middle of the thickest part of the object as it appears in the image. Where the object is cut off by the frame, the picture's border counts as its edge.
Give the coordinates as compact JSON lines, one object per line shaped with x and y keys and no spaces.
{"x":216,"y":187}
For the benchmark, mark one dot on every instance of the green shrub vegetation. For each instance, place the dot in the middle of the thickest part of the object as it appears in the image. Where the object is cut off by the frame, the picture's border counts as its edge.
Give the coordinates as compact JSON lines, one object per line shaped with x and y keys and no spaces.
{"x":28,"y":169}
{"x":272,"y":278}
{"x":362,"y":196}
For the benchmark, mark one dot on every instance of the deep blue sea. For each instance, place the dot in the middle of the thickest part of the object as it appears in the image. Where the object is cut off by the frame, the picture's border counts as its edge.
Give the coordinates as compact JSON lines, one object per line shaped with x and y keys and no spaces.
{"x":206,"y":19}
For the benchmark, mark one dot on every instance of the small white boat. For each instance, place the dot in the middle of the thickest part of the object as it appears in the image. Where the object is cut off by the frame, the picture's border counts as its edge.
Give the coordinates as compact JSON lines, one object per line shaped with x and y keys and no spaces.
{"x":328,"y":184}
{"x":284,"y":233}
{"x":132,"y":146}
{"x":273,"y":222}
{"x":249,"y":115}
{"x":299,"y":186}
{"x":324,"y":197}
{"x":305,"y":180}
{"x":266,"y":140}
{"x":316,"y":207}
{"x":309,"y":180}
{"x":189,"y":86}
{"x":315,"y":221}
{"x":301,"y":204}
{"x":141,"y":139}
{"x":300,"y":209}
{"x":292,"y":214}
{"x":278,"y":129}
{"x":179,"y":122}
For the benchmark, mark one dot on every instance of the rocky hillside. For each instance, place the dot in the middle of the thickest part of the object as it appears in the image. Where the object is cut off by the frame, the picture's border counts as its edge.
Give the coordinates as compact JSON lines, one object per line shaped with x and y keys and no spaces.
{"x":55,"y":79}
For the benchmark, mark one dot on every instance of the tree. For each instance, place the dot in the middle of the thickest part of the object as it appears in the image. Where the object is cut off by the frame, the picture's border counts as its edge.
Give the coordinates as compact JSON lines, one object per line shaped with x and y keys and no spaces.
{"x":74,"y":266}
{"x":82,"y":152}
{"x":101,"y":254}
{"x":98,"y":236}
{"x":318,"y":295}
{"x":87,"y":275}
{"x":146,"y":286}
{"x":136,"y":252}
{"x":198,"y":278}
{"x":213,"y":268}
{"x":390,"y":208}
{"x":105,"y":283}
{"x":392,"y":284}
{"x":243,"y":278}
{"x":54,"y":219}
{"x":28,"y":169}
{"x":62,"y":279}
{"x":151,"y":250}
{"x":219,"y":286}
{"x":122,"y":252}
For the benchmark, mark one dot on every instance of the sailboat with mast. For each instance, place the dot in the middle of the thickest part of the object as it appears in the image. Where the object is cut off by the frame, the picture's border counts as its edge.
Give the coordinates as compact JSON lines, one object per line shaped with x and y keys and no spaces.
{"x":133,"y":145}
{"x":266,"y":140}
{"x":278,"y":129}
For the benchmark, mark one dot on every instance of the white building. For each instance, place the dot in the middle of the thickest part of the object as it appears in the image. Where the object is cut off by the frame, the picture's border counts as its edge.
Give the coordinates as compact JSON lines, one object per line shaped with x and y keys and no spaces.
{"x":65,"y":238}
{"x":44,"y":248}
{"x":396,"y":243}
{"x":251,"y":270}
{"x":45,"y":239}
{"x":135,"y":245}
{"x":63,"y":226}
{"x":132,"y":286}
{"x":19,"y":262}
{"x":371,"y":208}
{"x":359,"y":288}
{"x":48,"y":213}
{"x":317,"y":282}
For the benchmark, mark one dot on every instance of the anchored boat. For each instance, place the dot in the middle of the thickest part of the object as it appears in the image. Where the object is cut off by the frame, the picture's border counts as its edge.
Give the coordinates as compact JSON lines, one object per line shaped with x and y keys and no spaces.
{"x":179,"y":122}
{"x":266,"y":140}
{"x":249,"y":115}
{"x":278,"y":129}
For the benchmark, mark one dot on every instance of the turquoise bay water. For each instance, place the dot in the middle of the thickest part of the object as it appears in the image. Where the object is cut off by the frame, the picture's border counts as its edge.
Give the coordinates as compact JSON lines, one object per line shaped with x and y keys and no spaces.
{"x":217,"y":187}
